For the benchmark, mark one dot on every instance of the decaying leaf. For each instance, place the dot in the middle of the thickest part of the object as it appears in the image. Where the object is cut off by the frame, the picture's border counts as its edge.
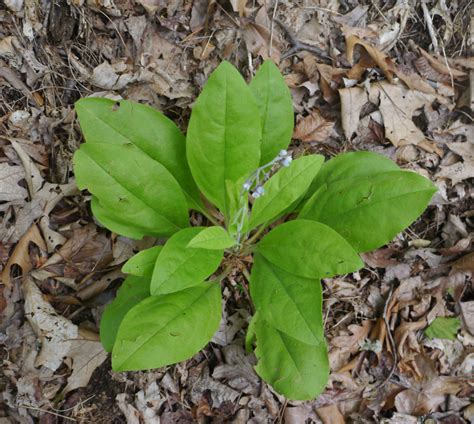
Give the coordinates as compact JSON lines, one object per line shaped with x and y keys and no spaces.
{"x":313,"y":128}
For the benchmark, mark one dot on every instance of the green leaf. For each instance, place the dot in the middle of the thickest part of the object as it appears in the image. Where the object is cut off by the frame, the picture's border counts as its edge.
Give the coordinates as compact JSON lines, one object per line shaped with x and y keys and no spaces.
{"x":284,"y":188}
{"x":352,"y":165}
{"x":443,"y":328}
{"x":114,"y":223}
{"x":143,"y":263}
{"x":132,"y":192}
{"x":179,"y":266}
{"x":309,"y":249}
{"x":297,"y":370}
{"x":133,"y":291}
{"x":369,"y":211}
{"x":223,"y":139}
{"x":276,"y":110}
{"x":291,"y":304}
{"x":163,"y":330}
{"x":250,"y":336}
{"x":212,"y":238}
{"x":130,"y":124}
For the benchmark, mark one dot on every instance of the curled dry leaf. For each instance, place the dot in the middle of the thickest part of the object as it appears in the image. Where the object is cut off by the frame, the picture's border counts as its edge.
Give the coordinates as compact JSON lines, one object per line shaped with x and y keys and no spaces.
{"x":352,"y":100}
{"x":60,"y":339}
{"x":313,"y":128}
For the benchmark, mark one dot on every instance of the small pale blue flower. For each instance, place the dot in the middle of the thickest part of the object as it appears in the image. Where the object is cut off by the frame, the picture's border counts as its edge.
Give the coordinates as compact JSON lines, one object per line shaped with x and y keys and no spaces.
{"x":287,"y":161}
{"x":259,"y":191}
{"x":283,"y":153}
{"x":247,"y":186}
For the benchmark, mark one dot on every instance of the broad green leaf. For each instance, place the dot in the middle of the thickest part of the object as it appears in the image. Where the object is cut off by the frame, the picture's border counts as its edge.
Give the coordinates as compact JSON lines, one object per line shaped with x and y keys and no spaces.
{"x":309,"y":249}
{"x":276,"y":110}
{"x":143,"y":263}
{"x":212,"y":238}
{"x":128,"y":123}
{"x":250,"y":335}
{"x":223,"y":139}
{"x":443,"y":328}
{"x":290,"y":303}
{"x":163,"y":330}
{"x":284,"y":188}
{"x":297,"y":370}
{"x":369,"y":211}
{"x":115,"y":223}
{"x":352,"y":165}
{"x":179,"y":266}
{"x":143,"y":193}
{"x":133,"y":291}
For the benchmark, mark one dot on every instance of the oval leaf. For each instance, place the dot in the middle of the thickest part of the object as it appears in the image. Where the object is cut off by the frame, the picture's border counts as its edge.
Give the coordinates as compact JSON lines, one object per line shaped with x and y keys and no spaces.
{"x":297,"y":370}
{"x":132,"y":192}
{"x":179,"y":266}
{"x":132,"y":291}
{"x":309,"y":249}
{"x":223,"y":139}
{"x":129,"y":123}
{"x":369,"y":211}
{"x":212,"y":238}
{"x":163,"y":330}
{"x":276,"y":110}
{"x":290,"y":303}
{"x":352,"y":165}
{"x":284,"y":188}
{"x":143,"y":263}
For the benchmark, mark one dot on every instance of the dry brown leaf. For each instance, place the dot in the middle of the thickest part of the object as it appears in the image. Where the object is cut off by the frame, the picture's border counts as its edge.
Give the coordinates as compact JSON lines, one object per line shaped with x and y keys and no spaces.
{"x":10,"y":190}
{"x":330,"y":414}
{"x":397,"y":106}
{"x":467,"y":313}
{"x":20,"y":255}
{"x":313,"y":128}
{"x":352,"y":100}
{"x":60,"y":339}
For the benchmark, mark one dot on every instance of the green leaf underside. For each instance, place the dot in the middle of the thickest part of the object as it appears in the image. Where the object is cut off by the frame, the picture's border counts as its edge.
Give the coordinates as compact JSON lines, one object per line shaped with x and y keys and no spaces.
{"x":443,"y":328}
{"x":309,"y":249}
{"x":223,"y":139}
{"x":212,"y":238}
{"x":131,"y":124}
{"x":276,"y":110}
{"x":132,"y":291}
{"x":291,"y":304}
{"x":352,"y":165}
{"x":369,"y":211}
{"x":143,"y":263}
{"x":114,"y":223}
{"x":295,"y":369}
{"x":136,"y":196}
{"x":163,"y":330}
{"x":284,"y":188}
{"x":179,"y":266}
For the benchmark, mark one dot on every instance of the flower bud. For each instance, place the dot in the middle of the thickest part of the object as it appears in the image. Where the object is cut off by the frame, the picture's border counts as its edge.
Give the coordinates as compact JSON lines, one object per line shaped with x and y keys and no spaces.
{"x":247,"y":186}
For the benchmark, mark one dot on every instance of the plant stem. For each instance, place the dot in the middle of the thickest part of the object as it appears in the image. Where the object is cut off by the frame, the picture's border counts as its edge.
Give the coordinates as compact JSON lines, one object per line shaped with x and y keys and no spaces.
{"x":257,"y":233}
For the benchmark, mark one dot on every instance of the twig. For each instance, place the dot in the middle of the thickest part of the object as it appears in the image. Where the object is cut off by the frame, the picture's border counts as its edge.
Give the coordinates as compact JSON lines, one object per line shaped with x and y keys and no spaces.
{"x":272,"y":25}
{"x":297,"y":46}
{"x":429,"y":24}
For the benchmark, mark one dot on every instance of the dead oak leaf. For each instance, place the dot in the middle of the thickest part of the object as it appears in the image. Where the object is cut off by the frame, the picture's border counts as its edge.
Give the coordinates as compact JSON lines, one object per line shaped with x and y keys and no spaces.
{"x":313,"y":128}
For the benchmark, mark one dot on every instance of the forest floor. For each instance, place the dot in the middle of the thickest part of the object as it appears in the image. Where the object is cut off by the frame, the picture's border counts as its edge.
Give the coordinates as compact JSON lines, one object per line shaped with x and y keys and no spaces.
{"x":393,"y":77}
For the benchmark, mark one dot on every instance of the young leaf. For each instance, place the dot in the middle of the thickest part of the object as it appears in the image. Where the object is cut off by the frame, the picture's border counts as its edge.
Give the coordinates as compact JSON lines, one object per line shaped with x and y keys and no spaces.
{"x":129,"y":123}
{"x":276,"y":110}
{"x":115,"y":223}
{"x":133,"y":196}
{"x":309,"y":249}
{"x":369,"y":211}
{"x":163,"y":330}
{"x":291,"y":304}
{"x":133,"y":291}
{"x":295,"y":369}
{"x":352,"y":165}
{"x":143,"y":263}
{"x":284,"y":188}
{"x":179,"y":266}
{"x":212,"y":238}
{"x":223,"y":139}
{"x":443,"y":328}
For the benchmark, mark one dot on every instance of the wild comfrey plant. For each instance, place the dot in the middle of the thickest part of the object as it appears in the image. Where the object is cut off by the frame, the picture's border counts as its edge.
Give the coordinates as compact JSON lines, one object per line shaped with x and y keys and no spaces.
{"x":299,"y":219}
